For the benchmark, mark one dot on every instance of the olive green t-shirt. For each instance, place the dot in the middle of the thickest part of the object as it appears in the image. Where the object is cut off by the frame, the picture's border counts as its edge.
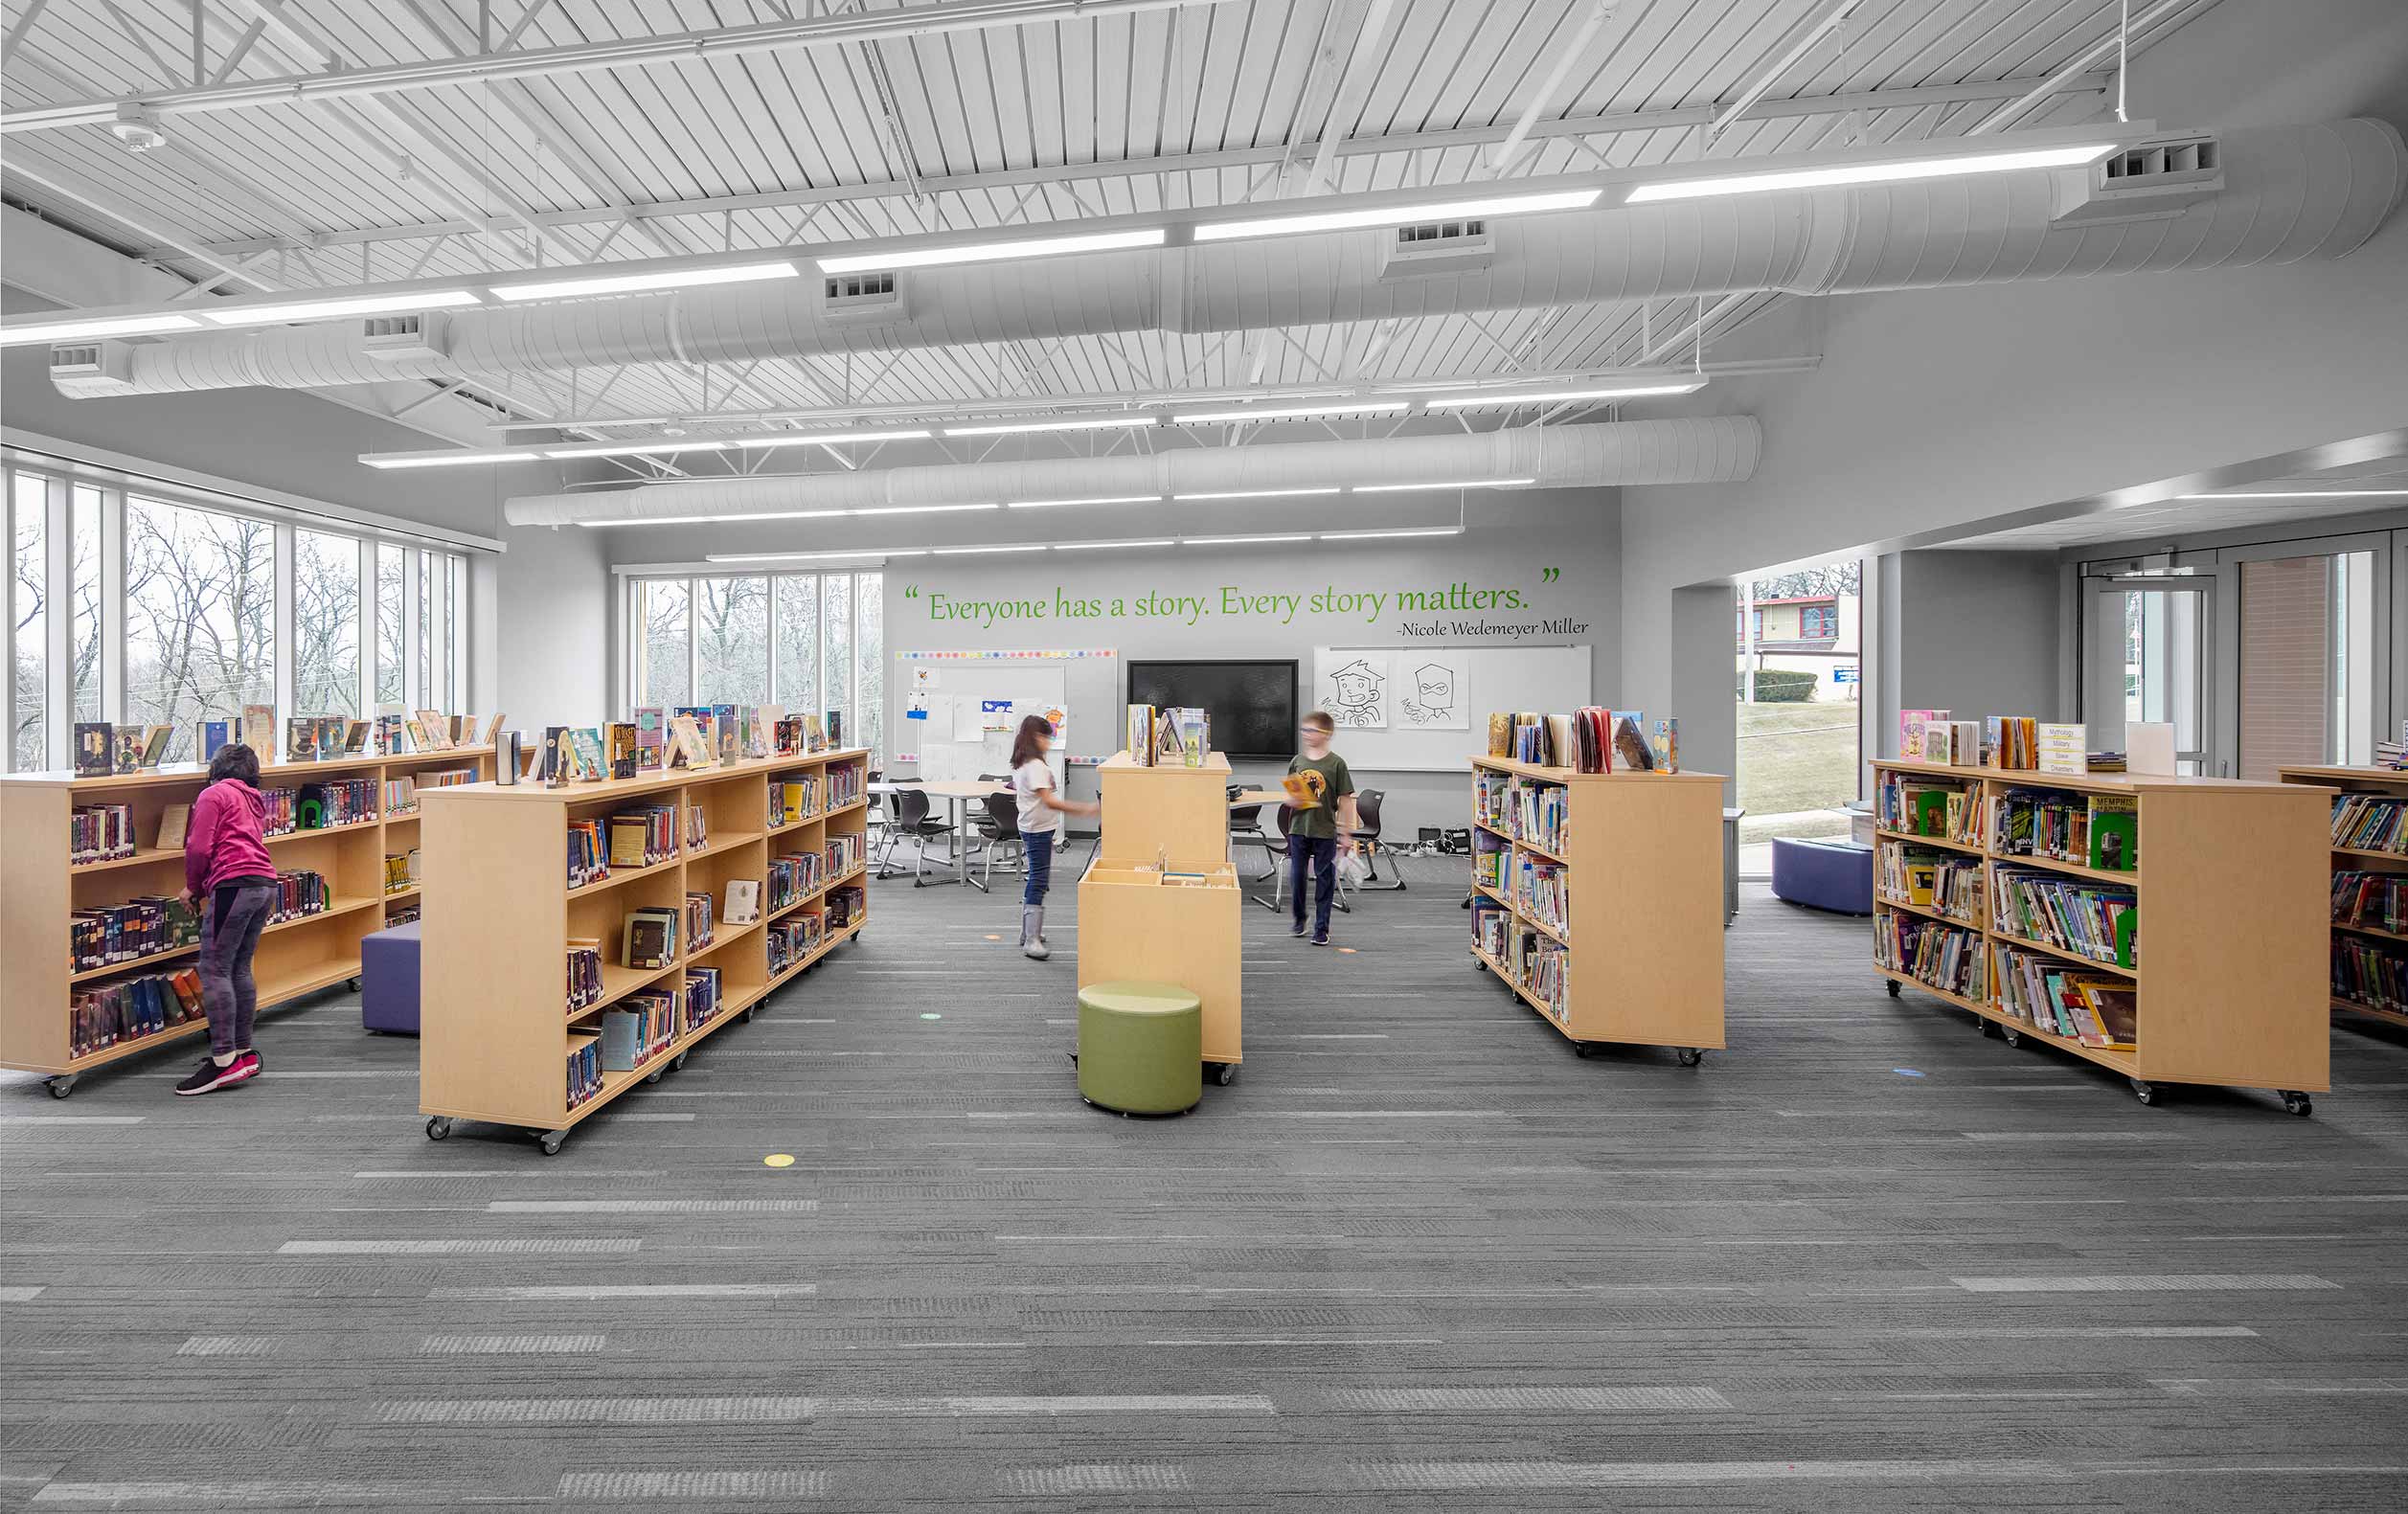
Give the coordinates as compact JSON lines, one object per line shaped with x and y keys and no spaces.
{"x":1329,"y":780}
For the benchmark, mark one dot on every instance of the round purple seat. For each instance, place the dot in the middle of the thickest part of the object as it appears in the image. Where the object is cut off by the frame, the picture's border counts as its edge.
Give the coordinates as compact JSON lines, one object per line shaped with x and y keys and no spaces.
{"x":1834,"y":875}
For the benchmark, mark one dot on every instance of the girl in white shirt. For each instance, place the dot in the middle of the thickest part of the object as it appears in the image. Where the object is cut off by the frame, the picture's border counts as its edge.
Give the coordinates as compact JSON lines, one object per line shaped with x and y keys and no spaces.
{"x":1041,"y":812}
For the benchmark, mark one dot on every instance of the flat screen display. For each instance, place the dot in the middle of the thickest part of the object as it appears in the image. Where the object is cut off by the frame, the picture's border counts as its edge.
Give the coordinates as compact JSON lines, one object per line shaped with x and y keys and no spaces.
{"x":1252,"y":704}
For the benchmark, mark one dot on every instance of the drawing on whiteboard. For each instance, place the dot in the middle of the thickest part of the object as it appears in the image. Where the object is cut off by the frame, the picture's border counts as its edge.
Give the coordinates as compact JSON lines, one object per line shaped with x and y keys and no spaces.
{"x":1433,"y":701}
{"x":1355,"y":695}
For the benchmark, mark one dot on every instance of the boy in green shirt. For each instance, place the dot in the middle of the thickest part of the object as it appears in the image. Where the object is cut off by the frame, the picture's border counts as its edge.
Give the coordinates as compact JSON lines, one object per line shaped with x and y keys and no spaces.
{"x":1321,"y":800}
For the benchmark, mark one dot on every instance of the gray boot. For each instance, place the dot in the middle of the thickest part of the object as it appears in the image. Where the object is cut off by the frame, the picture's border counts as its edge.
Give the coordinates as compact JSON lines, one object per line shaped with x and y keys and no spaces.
{"x":1033,"y":933}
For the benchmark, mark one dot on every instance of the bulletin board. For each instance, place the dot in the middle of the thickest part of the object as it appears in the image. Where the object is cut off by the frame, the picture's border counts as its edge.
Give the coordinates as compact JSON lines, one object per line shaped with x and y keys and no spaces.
{"x":957,"y":709}
{"x":1425,"y":709}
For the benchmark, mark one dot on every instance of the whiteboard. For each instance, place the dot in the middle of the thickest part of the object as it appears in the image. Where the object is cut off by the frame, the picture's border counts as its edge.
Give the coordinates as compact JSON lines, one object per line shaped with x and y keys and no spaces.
{"x":1384,"y":687}
{"x":1084,"y":683}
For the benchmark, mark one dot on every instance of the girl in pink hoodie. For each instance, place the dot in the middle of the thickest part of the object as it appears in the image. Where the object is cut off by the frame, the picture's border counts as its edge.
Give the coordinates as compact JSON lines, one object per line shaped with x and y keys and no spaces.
{"x":230,"y":881}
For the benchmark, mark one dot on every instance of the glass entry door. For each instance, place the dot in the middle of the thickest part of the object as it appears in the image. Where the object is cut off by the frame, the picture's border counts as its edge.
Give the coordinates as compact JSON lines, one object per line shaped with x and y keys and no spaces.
{"x":2144,"y":656}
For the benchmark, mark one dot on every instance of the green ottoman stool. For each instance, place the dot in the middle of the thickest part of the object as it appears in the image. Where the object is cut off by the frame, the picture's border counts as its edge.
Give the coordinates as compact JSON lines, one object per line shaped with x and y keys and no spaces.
{"x":1141,"y":1047}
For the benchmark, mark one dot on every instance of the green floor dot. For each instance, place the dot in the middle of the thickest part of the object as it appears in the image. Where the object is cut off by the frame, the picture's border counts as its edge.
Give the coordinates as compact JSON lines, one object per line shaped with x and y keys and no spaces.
{"x":932,"y":1017}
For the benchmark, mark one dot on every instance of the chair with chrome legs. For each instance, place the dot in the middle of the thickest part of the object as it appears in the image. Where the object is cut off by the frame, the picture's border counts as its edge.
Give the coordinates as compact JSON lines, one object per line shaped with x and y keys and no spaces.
{"x":999,"y":827}
{"x":1367,"y":841}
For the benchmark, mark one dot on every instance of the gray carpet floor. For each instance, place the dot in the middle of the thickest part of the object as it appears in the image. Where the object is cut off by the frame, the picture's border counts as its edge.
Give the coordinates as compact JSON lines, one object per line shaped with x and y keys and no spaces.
{"x":1419,"y":1257}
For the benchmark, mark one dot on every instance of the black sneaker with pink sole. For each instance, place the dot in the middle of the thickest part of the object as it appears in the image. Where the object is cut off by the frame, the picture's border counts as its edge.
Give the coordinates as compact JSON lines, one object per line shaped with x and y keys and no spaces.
{"x":208,"y":1077}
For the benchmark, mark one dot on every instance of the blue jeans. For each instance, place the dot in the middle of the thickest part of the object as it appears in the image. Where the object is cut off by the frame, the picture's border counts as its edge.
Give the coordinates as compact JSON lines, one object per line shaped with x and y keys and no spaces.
{"x":1322,"y":852}
{"x":229,"y":937}
{"x":1039,"y":846}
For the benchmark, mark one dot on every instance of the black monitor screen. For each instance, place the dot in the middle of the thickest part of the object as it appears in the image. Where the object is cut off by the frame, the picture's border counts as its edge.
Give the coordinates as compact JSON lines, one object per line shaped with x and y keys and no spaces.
{"x":1253,"y":705}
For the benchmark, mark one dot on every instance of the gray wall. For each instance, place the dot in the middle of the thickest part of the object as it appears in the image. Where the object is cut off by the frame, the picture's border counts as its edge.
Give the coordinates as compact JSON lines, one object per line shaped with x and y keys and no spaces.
{"x":553,"y":646}
{"x":1517,"y":537}
{"x":1946,"y":407}
{"x":1971,"y":632}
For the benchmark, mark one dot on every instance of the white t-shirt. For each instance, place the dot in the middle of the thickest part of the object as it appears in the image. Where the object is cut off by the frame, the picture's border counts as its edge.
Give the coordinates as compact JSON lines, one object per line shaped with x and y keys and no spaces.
{"x":1027,"y":780}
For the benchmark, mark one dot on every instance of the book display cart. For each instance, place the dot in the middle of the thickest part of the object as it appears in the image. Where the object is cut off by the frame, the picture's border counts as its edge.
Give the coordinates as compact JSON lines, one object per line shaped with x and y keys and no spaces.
{"x":2368,"y":965}
{"x":42,"y":886}
{"x":2226,"y":970}
{"x":500,"y":1036}
{"x":1160,"y":901}
{"x":1596,"y":899}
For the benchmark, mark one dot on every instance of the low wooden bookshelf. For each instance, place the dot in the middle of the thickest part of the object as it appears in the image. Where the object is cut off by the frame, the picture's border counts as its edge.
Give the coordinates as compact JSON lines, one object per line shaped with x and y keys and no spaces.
{"x":41,"y":886}
{"x":2385,"y":782}
{"x":1640,"y":934}
{"x":2229,"y":961}
{"x":494,"y":1029}
{"x":1134,"y":924}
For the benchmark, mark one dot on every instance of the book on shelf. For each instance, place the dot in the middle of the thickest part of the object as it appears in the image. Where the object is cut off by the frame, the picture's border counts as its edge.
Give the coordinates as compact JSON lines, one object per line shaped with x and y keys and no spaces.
{"x":1137,"y":735}
{"x":1500,"y":733}
{"x":637,"y":1028}
{"x":459,"y":728}
{"x":400,"y":795}
{"x":743,"y":901}
{"x":650,"y":938}
{"x":698,"y":921}
{"x":105,"y":832}
{"x":844,"y":785}
{"x":2012,"y":741}
{"x":697,"y":828}
{"x":835,"y":727}
{"x":1934,"y":953}
{"x":301,"y":739}
{"x":1542,"y":893}
{"x":1629,"y":745}
{"x":129,"y":754}
{"x":1912,"y":724}
{"x":814,"y":733}
{"x":438,"y":730}
{"x":2371,"y":822}
{"x":2369,"y":973}
{"x":2093,"y":920}
{"x":622,"y":750}
{"x":640,"y":838}
{"x":215,"y":736}
{"x":592,"y":764}
{"x":2060,"y":999}
{"x":128,"y":931}
{"x":584,"y":974}
{"x":1668,"y":745}
{"x":2371,"y":900}
{"x":689,"y":741}
{"x":589,"y":852}
{"x":402,"y":870}
{"x":585,"y":1069}
{"x":355,"y":737}
{"x":417,"y":733}
{"x":2097,"y":830}
{"x":1544,"y":968}
{"x":558,"y":765}
{"x":154,"y":747}
{"x":650,"y":734}
{"x":174,"y":823}
{"x":330,"y":736}
{"x":1491,"y":924}
{"x":2114,"y":821}
{"x":702,"y":996}
{"x":847,"y":906}
{"x":106,"y":1014}
{"x":259,"y":731}
{"x":493,"y":728}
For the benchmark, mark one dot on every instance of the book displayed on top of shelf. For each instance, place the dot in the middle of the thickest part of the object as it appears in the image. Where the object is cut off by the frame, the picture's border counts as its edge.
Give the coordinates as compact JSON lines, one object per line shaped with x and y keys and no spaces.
{"x":621,"y":739}
{"x":493,"y":728}
{"x":1629,"y":745}
{"x":154,"y":747}
{"x":689,"y":742}
{"x":215,"y":736}
{"x":330,"y":733}
{"x":592,"y":764}
{"x":355,"y":737}
{"x":835,"y":727}
{"x":129,"y":749}
{"x":1668,"y":745}
{"x":301,"y":739}
{"x":649,"y":736}
{"x":1911,"y":725}
{"x":258,"y":730}
{"x":95,"y":749}
{"x":438,"y":730}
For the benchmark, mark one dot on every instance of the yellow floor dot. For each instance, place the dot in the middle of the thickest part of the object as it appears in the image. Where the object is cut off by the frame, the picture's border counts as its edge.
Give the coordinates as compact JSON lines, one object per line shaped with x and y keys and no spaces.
{"x":777,"y":1159}
{"x":1347,"y":950}
{"x":994,"y":937}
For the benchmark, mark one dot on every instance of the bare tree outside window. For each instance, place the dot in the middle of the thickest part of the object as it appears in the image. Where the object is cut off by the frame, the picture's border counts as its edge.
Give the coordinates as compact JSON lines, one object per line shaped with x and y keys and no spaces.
{"x":870,"y":615}
{"x":732,"y":641}
{"x":794,"y":633}
{"x":663,"y":678}
{"x":326,"y":624}
{"x":27,"y":652}
{"x":391,"y":667}
{"x":85,"y":597}
{"x":201,"y":617}
{"x":836,"y":646}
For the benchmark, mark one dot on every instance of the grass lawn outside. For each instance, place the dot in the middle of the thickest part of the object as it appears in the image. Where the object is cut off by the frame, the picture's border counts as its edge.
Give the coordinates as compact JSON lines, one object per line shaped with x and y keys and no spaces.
{"x":1794,"y":759}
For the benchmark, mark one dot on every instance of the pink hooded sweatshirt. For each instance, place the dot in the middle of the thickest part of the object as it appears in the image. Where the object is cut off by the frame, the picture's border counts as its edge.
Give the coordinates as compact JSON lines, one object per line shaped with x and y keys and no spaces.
{"x":227,"y":837}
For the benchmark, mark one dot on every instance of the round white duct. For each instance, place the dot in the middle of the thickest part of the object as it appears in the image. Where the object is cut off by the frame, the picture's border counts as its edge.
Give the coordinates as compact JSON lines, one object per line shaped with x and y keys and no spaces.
{"x":1712,"y":449}
{"x":2290,"y":193}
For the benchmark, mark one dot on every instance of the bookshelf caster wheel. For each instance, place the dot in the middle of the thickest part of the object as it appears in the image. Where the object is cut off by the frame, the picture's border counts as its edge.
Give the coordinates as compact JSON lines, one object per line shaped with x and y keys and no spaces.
{"x":2144,"y":1091}
{"x":654,"y":1076}
{"x":551,"y":1141}
{"x":1224,"y":1074}
{"x":1691,"y":1057}
{"x":351,"y":984}
{"x":1892,"y":984}
{"x":1985,"y":1025}
{"x":679,"y":1062}
{"x":438,"y":1127}
{"x":2014,"y":1037}
{"x":61,"y":1087}
{"x":2299,"y":1104}
{"x":1583,"y":1049}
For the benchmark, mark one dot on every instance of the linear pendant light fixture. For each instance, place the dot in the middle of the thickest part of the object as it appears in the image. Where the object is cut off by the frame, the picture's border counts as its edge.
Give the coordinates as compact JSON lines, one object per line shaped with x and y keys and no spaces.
{"x":640,"y":283}
{"x":1894,"y":171}
{"x":1491,"y":400}
{"x":1114,"y":499}
{"x":439,"y":459}
{"x":338,"y":309}
{"x":858,"y":552}
{"x":93,"y":330}
{"x":1053,"y":423}
{"x":1350,"y":407}
{"x":633,"y":449}
{"x":993,"y":252}
{"x":810,"y":439}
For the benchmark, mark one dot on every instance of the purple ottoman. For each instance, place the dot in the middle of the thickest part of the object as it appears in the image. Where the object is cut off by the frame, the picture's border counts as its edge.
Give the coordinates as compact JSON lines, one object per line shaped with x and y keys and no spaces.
{"x":1835,"y":875}
{"x":388,"y":980}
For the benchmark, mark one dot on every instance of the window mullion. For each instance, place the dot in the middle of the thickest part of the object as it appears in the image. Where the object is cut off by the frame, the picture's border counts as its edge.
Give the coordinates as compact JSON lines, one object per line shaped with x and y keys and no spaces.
{"x":285,"y":635}
{"x":114,"y":692}
{"x":59,"y":624}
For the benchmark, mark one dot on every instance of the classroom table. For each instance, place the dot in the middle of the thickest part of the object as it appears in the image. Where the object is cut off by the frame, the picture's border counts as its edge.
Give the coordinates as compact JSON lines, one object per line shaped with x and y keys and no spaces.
{"x":957,"y":793}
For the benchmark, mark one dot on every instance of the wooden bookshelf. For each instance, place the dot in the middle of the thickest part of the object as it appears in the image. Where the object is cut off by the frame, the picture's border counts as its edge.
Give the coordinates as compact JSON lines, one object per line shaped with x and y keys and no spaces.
{"x":1642,"y":854}
{"x":40,"y":888}
{"x":494,"y":1030}
{"x":2383,"y":781}
{"x":2229,"y":960}
{"x":1132,"y":925}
